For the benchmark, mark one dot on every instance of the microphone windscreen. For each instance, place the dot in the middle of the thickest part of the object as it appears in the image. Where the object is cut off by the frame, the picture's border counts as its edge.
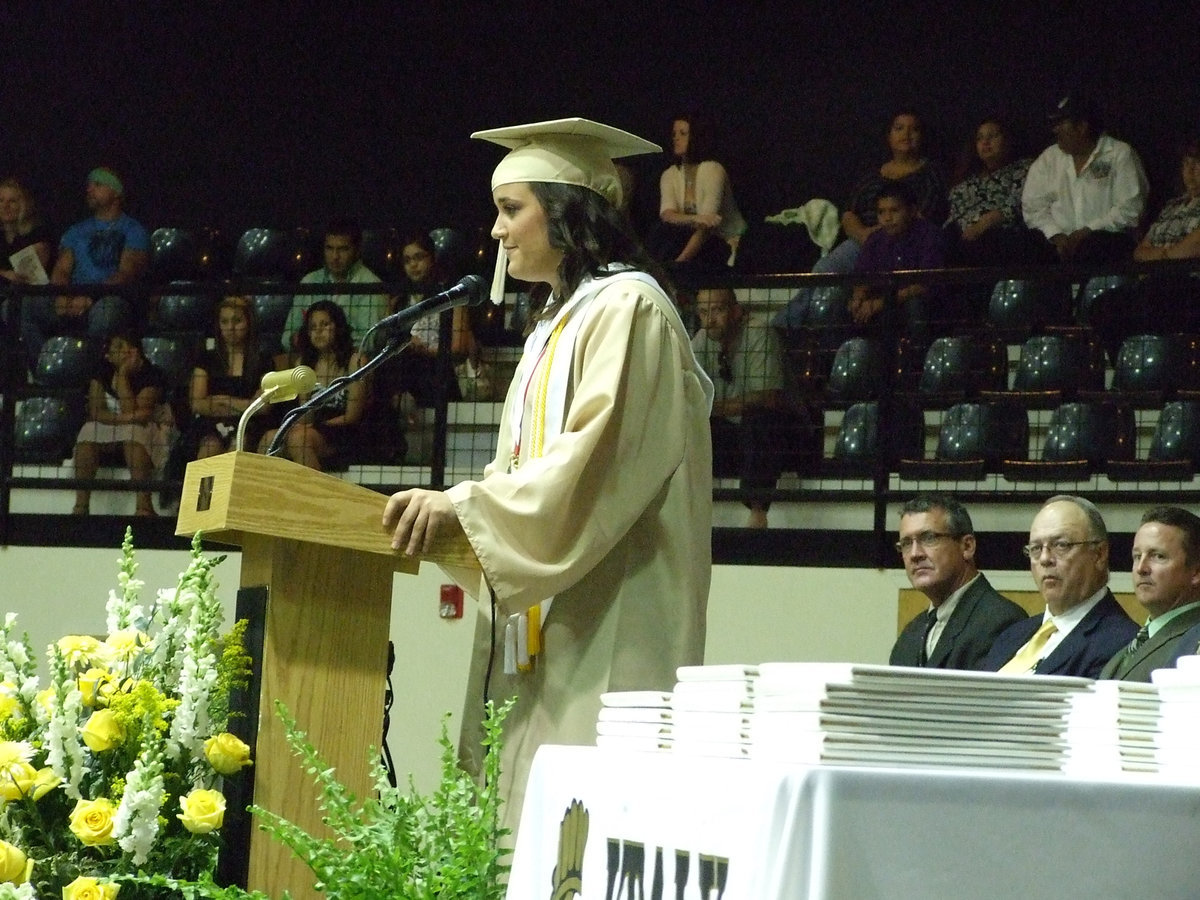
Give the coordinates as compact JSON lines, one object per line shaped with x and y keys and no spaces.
{"x":289,"y":384}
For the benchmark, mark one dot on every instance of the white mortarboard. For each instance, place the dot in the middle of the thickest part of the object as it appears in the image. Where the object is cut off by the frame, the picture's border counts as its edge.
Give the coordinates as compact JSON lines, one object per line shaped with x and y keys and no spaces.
{"x":561,"y":151}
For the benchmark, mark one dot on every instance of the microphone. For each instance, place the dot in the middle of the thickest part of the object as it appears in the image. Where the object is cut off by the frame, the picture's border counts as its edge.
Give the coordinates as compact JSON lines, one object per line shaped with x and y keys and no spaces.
{"x":289,"y":384}
{"x":470,"y":291}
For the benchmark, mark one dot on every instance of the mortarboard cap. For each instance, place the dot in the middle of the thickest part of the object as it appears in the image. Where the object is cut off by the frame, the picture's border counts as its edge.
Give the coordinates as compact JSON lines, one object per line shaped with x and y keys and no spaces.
{"x":562,"y":151}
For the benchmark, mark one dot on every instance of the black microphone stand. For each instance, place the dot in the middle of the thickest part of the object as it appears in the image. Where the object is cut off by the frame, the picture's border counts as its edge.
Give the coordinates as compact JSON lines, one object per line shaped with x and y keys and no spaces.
{"x":395,"y":344}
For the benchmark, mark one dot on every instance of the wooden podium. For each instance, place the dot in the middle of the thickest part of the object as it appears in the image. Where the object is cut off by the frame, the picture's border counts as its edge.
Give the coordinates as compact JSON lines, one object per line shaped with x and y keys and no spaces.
{"x":316,"y":544}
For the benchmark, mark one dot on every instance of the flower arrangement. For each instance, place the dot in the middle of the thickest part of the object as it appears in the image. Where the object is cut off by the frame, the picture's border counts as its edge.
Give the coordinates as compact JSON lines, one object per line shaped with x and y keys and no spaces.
{"x":396,"y":844}
{"x":113,"y":768}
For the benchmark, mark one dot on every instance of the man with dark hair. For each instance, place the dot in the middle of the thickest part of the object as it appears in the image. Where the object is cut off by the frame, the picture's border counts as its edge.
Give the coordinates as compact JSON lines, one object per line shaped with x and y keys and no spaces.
{"x":1083,"y":625}
{"x":111,"y":247}
{"x":904,"y":240}
{"x":752,"y":433}
{"x":343,"y":243}
{"x":1166,"y":579}
{"x":937,"y":547}
{"x":1086,"y":192}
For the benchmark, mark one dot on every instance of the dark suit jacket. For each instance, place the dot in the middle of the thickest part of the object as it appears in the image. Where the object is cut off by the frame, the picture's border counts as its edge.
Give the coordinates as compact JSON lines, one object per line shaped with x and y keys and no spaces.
{"x":1093,"y":642}
{"x":1157,"y":653}
{"x":1188,"y":645}
{"x":979,"y":616}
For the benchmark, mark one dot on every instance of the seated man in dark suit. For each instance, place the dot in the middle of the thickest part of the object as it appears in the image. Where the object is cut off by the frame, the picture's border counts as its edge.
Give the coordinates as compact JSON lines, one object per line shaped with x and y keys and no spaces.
{"x":937,"y":546}
{"x":1166,"y":579}
{"x":1083,"y":625}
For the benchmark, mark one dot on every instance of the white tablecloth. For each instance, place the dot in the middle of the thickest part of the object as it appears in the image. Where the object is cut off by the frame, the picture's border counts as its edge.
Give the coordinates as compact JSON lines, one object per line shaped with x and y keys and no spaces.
{"x":766,"y":831}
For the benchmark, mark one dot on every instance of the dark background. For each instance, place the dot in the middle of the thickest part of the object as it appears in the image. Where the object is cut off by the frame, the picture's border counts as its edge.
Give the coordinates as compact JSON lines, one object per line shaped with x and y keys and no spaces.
{"x":232,"y":115}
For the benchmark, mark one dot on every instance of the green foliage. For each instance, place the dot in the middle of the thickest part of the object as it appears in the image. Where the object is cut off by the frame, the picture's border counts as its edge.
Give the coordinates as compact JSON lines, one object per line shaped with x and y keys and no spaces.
{"x":396,"y":845}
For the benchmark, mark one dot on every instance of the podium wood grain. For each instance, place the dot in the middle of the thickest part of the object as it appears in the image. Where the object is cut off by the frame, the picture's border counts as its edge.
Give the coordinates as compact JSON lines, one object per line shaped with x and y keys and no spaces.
{"x":316,"y":543}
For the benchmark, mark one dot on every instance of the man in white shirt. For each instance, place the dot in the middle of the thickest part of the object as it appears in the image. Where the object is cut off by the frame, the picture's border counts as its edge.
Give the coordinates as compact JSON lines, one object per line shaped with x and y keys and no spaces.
{"x":1087,"y":192}
{"x":1083,"y":626}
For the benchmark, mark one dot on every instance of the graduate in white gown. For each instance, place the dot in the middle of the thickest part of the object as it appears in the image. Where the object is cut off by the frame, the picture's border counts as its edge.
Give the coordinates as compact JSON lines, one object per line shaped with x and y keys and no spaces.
{"x":599,"y":499}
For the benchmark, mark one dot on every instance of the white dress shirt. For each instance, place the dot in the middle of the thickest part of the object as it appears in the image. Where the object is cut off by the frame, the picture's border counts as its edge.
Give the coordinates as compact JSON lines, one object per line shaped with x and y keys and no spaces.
{"x":1108,"y":194}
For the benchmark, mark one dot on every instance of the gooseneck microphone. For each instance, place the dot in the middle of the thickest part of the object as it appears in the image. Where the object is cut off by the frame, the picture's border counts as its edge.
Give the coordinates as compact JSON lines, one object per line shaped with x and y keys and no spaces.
{"x":288,"y":384}
{"x":470,"y":291}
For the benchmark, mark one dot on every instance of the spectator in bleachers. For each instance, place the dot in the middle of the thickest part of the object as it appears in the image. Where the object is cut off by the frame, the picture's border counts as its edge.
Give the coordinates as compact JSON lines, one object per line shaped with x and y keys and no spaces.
{"x":752,"y":435}
{"x":1085,"y":193}
{"x":1161,"y":302}
{"x":903,"y":240}
{"x":225,"y":381}
{"x":341,"y":249}
{"x":127,"y":420}
{"x":328,"y":433}
{"x":109,"y":248}
{"x":1083,"y":625}
{"x":700,"y":224}
{"x":909,"y":166}
{"x":22,"y":227}
{"x":985,"y":227}
{"x":415,"y":371}
{"x":937,"y":547}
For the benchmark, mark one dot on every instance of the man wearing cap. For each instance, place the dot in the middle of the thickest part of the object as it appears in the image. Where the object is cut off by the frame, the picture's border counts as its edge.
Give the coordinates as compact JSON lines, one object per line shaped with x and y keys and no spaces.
{"x":1086,"y":193}
{"x":109,"y":248}
{"x":593,"y":524}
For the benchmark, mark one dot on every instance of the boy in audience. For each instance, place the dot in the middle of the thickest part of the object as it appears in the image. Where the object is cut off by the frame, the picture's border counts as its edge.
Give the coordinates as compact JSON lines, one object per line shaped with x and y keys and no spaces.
{"x":903,"y":241}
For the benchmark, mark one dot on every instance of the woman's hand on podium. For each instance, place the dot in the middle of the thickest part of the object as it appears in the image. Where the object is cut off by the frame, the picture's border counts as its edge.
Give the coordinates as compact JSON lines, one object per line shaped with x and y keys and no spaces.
{"x":417,"y":518}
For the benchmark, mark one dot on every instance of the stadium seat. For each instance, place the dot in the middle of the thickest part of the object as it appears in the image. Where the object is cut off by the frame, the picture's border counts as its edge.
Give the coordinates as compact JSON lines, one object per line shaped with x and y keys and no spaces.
{"x":1080,"y":439}
{"x":272,"y":254}
{"x":45,"y":427}
{"x":180,"y":254}
{"x":185,"y":312}
{"x":972,"y":441}
{"x":1051,"y":369}
{"x":857,"y":372}
{"x":1174,"y":452}
{"x":858,"y":449}
{"x":1149,"y":369}
{"x":67,"y":361}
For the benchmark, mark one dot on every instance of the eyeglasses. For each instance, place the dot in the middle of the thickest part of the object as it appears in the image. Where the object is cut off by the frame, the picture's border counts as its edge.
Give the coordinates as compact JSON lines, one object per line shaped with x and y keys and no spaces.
{"x":1058,"y":549}
{"x":926,"y":539}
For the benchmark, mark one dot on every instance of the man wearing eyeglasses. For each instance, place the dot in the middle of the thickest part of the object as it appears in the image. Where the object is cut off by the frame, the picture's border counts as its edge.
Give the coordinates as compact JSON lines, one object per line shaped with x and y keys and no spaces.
{"x":937,"y":547}
{"x":1166,"y":580}
{"x":1083,"y":625}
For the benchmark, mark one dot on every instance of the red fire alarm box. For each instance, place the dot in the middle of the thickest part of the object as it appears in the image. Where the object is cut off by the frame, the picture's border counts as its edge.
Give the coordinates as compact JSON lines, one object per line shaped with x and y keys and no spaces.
{"x":450,"y":604}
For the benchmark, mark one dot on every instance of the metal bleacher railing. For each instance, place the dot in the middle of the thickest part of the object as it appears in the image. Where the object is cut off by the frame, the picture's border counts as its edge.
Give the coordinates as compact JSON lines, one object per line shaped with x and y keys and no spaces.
{"x":960,"y":415}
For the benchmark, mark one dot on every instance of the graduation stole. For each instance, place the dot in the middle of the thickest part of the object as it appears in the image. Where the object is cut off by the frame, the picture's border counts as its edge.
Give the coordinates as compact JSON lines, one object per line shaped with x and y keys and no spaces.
{"x":551,"y":350}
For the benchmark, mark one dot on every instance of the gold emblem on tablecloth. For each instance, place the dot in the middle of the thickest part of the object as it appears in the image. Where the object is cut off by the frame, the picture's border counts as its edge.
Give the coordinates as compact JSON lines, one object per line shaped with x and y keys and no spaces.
{"x":572,"y":838}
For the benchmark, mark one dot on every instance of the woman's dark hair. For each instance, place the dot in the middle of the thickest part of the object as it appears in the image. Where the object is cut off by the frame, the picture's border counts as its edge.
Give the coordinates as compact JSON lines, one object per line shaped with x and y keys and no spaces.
{"x":254,"y":361}
{"x":425,"y":242}
{"x":591,"y":233}
{"x":968,"y":162}
{"x":343,"y":346}
{"x":701,"y":141}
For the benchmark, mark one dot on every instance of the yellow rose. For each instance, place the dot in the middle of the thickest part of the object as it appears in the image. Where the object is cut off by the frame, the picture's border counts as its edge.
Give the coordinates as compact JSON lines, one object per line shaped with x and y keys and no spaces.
{"x":102,"y":731}
{"x":203,"y":811}
{"x":14,"y":865}
{"x":16,"y":778}
{"x":90,"y":889}
{"x":92,"y":685}
{"x":226,"y":753}
{"x":44,"y":783}
{"x":92,"y":821}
